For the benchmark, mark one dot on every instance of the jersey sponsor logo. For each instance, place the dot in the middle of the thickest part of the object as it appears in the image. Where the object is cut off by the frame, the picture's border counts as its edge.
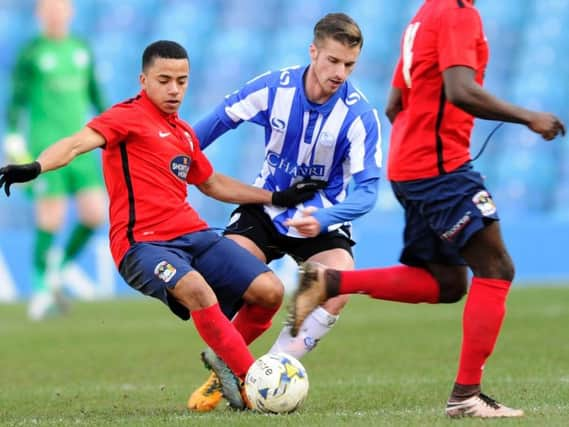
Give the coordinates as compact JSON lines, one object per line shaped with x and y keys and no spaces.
{"x":278,"y":162}
{"x":163,"y":134}
{"x":180,"y":166}
{"x":450,"y":234}
{"x":484,"y":203}
{"x":278,"y":124}
{"x":164,"y":271}
{"x":353,"y":98}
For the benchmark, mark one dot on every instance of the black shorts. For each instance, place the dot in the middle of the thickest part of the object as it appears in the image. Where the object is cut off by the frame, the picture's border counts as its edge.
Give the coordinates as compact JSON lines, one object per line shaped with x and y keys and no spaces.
{"x":252,"y":222}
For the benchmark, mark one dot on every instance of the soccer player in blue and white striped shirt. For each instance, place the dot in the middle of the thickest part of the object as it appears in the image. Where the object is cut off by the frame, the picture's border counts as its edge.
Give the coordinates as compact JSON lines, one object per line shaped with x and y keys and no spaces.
{"x":318,"y":126}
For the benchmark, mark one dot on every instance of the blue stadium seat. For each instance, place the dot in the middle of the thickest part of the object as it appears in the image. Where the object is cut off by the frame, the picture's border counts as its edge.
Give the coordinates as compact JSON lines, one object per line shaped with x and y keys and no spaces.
{"x":245,"y":14}
{"x":230,"y":41}
{"x":288,"y":47}
{"x":305,"y":13}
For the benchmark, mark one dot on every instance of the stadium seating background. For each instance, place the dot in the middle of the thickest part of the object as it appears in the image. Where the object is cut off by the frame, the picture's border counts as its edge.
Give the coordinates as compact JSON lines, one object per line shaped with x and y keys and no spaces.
{"x":230,"y":41}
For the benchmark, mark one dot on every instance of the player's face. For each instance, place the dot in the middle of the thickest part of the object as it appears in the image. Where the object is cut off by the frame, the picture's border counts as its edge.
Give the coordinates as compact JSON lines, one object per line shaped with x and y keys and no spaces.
{"x":165,"y":82}
{"x":55,"y":17}
{"x":332,"y":63}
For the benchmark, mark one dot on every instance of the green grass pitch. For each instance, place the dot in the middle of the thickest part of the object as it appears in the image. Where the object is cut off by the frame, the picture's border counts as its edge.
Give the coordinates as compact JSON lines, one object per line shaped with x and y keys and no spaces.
{"x":130,"y":363}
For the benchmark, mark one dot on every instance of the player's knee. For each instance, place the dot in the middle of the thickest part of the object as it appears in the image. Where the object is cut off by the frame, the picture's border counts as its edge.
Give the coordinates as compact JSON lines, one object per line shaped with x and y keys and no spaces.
{"x":193,"y":294}
{"x":452,"y":282}
{"x":274,"y":295}
{"x":92,"y":218}
{"x":49,"y":223}
{"x":450,"y":294}
{"x":93,"y":221}
{"x":507,"y":271}
{"x":499,"y":266}
{"x":266,"y":290}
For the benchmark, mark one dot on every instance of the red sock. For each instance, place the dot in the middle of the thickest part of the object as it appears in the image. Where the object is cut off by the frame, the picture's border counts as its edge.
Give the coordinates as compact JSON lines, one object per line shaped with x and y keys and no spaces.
{"x":481,"y":322}
{"x":218,"y":333}
{"x":252,"y":320}
{"x":400,"y":283}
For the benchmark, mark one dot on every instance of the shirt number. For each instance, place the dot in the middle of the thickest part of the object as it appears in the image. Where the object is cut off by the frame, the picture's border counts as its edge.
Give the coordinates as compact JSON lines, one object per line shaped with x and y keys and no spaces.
{"x":408,"y":40}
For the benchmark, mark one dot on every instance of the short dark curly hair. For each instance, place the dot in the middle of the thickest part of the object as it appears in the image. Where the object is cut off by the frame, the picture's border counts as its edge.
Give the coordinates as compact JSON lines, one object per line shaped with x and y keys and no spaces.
{"x":162,"y":49}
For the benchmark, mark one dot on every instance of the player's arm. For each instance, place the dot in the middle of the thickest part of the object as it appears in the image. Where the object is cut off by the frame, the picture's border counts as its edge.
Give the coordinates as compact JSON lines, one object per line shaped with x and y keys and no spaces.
{"x":359,"y":202}
{"x":54,"y":157}
{"x":458,"y":56}
{"x":395,"y":97}
{"x":226,"y":189}
{"x":66,"y":149}
{"x":248,"y":104}
{"x":462,"y":90}
{"x":394,"y":104}
{"x":365,"y":163}
{"x":209,"y":128}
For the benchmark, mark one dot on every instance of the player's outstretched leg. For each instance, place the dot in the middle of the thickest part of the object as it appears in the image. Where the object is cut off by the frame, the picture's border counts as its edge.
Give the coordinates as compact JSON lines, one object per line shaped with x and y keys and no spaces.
{"x":311,"y":292}
{"x":231,"y":387}
{"x":207,"y":396}
{"x":480,"y":406}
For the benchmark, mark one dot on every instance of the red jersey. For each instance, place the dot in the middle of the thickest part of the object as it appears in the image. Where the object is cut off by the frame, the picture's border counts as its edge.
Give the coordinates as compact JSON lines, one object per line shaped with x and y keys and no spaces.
{"x":148,"y":160}
{"x":431,"y":136}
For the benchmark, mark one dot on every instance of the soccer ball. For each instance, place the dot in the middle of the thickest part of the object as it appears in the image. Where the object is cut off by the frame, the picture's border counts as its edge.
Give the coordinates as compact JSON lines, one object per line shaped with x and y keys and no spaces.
{"x":276,"y":383}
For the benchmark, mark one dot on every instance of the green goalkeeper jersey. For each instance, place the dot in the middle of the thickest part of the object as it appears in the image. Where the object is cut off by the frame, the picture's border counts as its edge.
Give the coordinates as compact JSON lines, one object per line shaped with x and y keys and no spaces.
{"x":54,"y":82}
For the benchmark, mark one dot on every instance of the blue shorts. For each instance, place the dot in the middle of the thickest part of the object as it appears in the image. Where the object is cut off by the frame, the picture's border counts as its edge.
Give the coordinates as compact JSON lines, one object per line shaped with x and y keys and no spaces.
{"x":442,"y":214}
{"x":154,"y":267}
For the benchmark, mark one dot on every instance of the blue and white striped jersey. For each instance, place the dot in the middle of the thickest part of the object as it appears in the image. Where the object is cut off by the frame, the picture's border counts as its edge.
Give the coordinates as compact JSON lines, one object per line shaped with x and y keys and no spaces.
{"x":332,"y":141}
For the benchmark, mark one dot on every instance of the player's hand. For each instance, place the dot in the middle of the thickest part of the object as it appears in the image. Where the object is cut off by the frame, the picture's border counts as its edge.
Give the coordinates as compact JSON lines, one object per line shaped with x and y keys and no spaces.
{"x":11,"y":174}
{"x":15,"y":150}
{"x":307,"y":225}
{"x":300,"y":192}
{"x":547,"y":125}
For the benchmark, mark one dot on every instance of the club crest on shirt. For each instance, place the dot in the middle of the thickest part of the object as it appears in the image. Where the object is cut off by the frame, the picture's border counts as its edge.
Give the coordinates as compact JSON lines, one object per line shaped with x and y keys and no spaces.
{"x":484,"y":203}
{"x":180,"y":166}
{"x":326,"y":139}
{"x":164,"y":271}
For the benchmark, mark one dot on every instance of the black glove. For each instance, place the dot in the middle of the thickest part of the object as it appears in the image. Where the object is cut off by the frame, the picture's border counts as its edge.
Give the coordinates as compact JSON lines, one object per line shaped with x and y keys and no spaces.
{"x":298,"y":193}
{"x":18,"y":173}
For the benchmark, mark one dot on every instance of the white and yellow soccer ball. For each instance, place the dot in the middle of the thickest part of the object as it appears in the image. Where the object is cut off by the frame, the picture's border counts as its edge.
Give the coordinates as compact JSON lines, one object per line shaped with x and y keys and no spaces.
{"x":276,"y":384}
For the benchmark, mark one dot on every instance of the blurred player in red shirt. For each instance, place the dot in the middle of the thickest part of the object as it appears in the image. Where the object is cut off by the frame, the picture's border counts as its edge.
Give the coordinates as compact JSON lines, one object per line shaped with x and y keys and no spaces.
{"x":451,"y":219}
{"x":160,"y":245}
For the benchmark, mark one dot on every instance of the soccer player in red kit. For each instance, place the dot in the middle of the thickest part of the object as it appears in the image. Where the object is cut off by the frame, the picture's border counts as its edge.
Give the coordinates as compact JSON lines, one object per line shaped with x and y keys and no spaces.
{"x":451,"y":221}
{"x":159,"y":243}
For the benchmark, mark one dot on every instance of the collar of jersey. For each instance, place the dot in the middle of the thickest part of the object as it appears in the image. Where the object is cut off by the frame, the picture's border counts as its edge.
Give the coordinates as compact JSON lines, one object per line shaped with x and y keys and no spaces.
{"x":320,"y":108}
{"x":149,"y":105}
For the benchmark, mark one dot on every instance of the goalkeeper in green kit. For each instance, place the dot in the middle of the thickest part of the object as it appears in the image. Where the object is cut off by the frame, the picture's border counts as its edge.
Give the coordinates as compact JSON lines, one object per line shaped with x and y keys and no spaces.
{"x":54,"y":84}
